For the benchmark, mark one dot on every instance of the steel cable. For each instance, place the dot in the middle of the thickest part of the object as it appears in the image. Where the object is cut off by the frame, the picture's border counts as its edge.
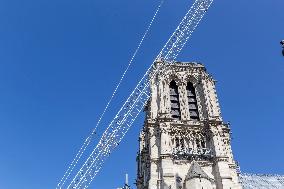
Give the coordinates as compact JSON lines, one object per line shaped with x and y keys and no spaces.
{"x":90,"y":137}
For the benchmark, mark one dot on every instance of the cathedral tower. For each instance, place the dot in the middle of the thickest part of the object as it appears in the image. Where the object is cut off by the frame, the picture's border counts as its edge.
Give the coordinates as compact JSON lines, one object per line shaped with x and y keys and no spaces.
{"x":184,"y":143}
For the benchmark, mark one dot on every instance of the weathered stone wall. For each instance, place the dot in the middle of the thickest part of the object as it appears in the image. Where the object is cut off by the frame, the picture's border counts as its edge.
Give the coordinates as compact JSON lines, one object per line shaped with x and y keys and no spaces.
{"x":170,"y":145}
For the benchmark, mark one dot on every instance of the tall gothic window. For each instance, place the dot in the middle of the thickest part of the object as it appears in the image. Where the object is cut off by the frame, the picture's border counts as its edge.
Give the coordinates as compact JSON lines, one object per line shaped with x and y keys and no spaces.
{"x":174,"y":97}
{"x":192,"y":102}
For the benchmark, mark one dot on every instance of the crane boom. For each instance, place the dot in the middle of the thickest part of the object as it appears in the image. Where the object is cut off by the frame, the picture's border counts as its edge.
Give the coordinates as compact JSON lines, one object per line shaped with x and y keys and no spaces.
{"x":127,"y":114}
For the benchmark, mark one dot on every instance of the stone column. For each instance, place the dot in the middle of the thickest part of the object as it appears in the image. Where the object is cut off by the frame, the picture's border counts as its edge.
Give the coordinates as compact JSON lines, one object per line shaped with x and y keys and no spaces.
{"x":183,"y":102}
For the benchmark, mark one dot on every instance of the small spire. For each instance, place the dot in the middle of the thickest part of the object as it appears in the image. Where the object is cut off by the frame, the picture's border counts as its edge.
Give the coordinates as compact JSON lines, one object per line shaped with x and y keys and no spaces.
{"x":126,"y":186}
{"x":126,"y":179}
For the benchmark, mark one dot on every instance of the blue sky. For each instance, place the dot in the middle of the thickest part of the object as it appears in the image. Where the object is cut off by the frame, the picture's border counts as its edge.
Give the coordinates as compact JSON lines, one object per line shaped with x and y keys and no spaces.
{"x":60,"y":61}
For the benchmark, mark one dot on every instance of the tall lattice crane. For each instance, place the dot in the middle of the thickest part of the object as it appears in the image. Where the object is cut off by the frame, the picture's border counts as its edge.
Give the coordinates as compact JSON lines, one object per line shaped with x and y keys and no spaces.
{"x":127,"y":114}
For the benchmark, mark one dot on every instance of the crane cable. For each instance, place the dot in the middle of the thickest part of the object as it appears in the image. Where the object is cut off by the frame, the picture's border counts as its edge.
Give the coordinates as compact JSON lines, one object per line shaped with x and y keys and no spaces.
{"x":107,"y":144}
{"x":89,"y":138}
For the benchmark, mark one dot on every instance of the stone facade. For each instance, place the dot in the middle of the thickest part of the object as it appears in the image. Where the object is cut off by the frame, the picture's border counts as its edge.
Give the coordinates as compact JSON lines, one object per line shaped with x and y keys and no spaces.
{"x":184,"y":143}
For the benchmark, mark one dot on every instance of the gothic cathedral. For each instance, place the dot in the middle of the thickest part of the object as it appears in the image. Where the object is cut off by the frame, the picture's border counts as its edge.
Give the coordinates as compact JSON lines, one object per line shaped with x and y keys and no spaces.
{"x":184,"y":143}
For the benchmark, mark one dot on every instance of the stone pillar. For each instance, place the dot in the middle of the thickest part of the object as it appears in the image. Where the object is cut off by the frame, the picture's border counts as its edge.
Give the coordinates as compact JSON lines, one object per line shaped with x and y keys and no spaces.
{"x":183,"y":102}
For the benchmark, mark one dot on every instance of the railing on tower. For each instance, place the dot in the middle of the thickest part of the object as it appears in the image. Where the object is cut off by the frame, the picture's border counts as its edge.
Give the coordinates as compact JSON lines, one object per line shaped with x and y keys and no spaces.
{"x":188,"y":153}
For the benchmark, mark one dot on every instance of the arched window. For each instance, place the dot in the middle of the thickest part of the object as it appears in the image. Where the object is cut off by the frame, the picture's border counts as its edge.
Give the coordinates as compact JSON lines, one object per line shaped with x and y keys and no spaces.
{"x":197,"y":142}
{"x":192,"y":103}
{"x":203,"y":144}
{"x":174,"y":97}
{"x":179,"y":142}
{"x":200,"y":143}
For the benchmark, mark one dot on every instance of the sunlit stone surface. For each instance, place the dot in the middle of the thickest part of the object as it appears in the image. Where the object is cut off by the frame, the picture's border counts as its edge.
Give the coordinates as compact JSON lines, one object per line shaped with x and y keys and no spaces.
{"x":185,"y":144}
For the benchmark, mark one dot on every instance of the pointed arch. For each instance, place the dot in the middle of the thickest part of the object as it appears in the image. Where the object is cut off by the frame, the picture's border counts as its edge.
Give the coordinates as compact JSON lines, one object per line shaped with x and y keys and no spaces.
{"x":192,"y":102}
{"x":174,"y":98}
{"x":171,"y":76}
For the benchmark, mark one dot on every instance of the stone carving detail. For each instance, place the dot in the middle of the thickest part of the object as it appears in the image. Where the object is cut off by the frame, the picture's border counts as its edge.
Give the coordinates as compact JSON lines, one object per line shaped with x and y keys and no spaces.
{"x":169,"y":146}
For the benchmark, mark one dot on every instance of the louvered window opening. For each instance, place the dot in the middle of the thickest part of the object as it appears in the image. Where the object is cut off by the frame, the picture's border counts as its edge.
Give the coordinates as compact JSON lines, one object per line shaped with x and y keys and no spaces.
{"x":174,"y":98}
{"x":192,"y":102}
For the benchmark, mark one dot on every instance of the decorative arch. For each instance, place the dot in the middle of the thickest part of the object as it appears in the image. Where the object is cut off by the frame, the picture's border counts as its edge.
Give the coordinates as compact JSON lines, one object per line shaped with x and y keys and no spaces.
{"x":191,"y":79}
{"x":171,"y":75}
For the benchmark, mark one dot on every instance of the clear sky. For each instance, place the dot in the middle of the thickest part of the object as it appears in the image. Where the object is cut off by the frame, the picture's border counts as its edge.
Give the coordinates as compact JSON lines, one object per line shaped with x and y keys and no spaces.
{"x":61,"y":59}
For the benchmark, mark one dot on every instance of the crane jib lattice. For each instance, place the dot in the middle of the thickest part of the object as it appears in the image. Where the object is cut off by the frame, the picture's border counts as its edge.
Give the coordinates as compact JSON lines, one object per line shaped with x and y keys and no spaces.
{"x":137,"y":99}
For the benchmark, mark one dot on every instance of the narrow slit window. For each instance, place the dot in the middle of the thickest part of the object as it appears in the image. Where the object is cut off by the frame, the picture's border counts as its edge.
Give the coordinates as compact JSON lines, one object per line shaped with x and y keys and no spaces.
{"x":197,"y":142}
{"x":182,"y":143}
{"x":192,"y":102}
{"x":177,"y":142}
{"x":203,"y":144}
{"x":174,"y":98}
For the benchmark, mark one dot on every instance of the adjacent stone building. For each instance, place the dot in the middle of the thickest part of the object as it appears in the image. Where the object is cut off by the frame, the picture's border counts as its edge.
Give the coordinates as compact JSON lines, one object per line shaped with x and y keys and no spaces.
{"x":185,"y":144}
